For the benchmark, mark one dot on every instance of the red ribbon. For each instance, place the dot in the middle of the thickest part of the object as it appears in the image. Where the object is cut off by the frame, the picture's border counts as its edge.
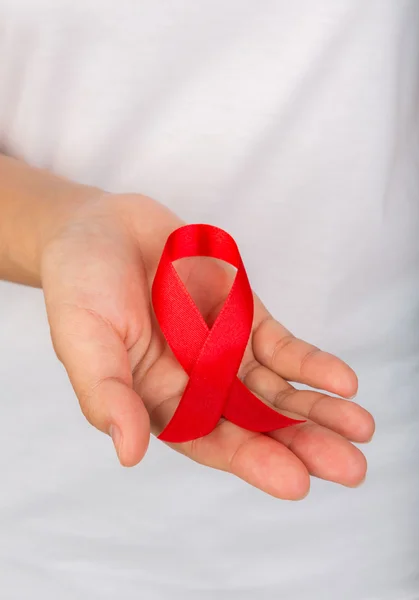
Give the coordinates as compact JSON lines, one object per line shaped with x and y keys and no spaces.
{"x":211,"y":357}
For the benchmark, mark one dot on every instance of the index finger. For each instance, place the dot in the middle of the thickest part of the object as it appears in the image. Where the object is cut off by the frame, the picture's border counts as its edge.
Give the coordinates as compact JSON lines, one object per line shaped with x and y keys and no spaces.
{"x":293,"y":359}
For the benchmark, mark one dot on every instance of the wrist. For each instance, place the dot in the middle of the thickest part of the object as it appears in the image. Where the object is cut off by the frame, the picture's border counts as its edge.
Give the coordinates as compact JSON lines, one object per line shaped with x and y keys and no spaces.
{"x":34,"y":206}
{"x":59,"y":212}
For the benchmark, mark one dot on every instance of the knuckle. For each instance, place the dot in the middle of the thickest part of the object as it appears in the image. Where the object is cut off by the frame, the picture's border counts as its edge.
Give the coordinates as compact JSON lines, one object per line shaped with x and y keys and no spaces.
{"x":283,"y":396}
{"x":305,"y":361}
{"x":280,"y":346}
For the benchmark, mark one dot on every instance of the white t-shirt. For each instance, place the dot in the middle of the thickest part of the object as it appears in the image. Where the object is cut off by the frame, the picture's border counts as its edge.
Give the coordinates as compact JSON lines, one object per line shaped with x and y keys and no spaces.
{"x":295,"y":126}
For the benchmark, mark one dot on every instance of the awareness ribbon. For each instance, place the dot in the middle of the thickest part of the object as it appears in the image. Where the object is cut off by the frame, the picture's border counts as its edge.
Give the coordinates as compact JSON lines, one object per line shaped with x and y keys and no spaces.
{"x":210,"y":356}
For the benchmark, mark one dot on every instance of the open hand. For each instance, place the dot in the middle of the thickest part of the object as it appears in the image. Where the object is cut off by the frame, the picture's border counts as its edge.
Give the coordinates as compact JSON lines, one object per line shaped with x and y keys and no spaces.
{"x":96,"y":274}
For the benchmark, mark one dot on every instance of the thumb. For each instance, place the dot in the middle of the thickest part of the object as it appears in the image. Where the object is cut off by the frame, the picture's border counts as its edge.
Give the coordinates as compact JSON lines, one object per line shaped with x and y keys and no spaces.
{"x":97,"y":362}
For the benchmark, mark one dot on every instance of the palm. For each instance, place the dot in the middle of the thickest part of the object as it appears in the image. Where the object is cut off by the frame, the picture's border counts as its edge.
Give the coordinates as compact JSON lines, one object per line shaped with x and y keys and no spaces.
{"x":113,"y":308}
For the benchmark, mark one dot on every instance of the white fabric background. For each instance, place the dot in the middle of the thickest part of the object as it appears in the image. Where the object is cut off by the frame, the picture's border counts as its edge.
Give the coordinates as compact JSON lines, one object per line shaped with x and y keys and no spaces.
{"x":295,"y":126}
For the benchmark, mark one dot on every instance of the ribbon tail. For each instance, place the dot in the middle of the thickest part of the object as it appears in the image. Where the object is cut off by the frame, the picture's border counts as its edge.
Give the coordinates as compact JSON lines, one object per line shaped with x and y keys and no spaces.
{"x":249,"y":412}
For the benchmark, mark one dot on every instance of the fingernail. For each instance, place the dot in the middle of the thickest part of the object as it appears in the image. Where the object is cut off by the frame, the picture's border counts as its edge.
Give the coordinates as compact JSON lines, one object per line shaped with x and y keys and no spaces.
{"x":116,"y":436}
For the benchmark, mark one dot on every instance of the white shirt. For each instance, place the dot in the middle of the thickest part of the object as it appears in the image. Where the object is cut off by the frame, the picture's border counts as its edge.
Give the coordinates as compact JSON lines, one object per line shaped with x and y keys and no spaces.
{"x":295,"y":126}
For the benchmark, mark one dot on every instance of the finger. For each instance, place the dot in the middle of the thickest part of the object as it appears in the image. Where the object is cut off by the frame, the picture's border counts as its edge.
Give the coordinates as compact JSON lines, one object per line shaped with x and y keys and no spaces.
{"x":325,"y":454}
{"x":97,"y":363}
{"x":254,"y":458}
{"x":342,"y":416}
{"x":295,"y":360}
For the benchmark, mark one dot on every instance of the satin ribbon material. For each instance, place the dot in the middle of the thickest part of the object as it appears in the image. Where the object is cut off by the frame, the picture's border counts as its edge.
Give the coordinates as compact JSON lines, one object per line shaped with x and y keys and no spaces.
{"x":211,"y":357}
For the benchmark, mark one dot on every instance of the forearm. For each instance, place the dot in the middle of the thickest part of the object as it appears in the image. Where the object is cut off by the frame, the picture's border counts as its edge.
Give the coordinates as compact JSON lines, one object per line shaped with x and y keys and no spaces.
{"x":33,"y":206}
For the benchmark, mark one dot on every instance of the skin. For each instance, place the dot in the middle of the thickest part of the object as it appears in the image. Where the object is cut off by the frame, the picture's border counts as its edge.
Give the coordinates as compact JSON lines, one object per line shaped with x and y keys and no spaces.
{"x":95,"y":255}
